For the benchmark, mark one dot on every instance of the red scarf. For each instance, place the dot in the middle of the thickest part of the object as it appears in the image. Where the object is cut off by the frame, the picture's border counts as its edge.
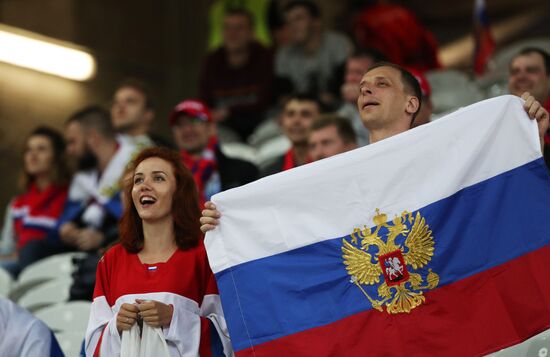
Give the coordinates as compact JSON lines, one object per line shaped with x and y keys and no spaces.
{"x":289,"y":162}
{"x":202,"y":168}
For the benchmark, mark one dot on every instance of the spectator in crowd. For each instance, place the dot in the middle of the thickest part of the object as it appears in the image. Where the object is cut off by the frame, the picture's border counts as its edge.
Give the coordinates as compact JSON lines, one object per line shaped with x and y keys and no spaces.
{"x":425,"y":112}
{"x":258,"y":9}
{"x":133,"y":113}
{"x":93,"y":208}
{"x":529,"y":71}
{"x":237,"y":78}
{"x":398,"y":34}
{"x":330,"y":135}
{"x":356,"y":65}
{"x":389,"y":100}
{"x":22,"y":334}
{"x":299,"y":113}
{"x":90,"y":217}
{"x":159,"y":273}
{"x":195,"y":135}
{"x":34,"y":213}
{"x":311,"y":58}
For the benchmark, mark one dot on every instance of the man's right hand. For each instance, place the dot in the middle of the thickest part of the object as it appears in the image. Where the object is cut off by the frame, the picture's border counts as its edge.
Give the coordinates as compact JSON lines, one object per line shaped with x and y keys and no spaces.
{"x":209,"y":219}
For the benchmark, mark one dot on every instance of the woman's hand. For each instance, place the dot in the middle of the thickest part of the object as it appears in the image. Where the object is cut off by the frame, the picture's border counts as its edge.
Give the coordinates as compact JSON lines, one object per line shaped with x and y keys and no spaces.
{"x":155,"y":313}
{"x":126,"y":317}
{"x":209,"y":219}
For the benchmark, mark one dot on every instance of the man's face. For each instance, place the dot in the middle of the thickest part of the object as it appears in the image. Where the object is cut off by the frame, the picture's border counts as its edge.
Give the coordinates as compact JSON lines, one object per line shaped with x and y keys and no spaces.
{"x":128,"y":111}
{"x":326,"y":142}
{"x":191,"y":134}
{"x":527,"y":74}
{"x":296,"y":120}
{"x":382,"y":100}
{"x":355,"y":68}
{"x":300,"y":24}
{"x":237,"y":32}
{"x":77,"y":147}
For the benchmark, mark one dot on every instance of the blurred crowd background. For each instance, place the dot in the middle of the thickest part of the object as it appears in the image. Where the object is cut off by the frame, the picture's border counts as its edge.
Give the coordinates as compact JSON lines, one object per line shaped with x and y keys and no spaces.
{"x":164,"y":43}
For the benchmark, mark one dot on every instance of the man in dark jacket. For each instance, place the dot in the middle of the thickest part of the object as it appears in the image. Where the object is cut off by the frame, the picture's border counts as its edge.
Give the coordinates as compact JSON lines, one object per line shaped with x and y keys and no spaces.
{"x":195,"y":136}
{"x":236,"y":80}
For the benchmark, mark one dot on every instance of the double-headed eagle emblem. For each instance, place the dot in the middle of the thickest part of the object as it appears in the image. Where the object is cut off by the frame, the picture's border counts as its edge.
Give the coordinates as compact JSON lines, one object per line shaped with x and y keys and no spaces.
{"x":397,"y":264}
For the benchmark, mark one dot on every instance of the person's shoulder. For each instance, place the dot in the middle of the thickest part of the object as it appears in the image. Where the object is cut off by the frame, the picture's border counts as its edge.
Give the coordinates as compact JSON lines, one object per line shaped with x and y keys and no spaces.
{"x":233,"y":162}
{"x":113,"y":253}
{"x":274,"y":166}
{"x":258,"y":48}
{"x":336,"y":38}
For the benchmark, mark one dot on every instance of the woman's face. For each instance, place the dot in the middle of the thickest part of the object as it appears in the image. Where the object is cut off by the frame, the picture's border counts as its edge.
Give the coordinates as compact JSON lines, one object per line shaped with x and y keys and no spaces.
{"x":39,"y":155}
{"x":153,"y":189}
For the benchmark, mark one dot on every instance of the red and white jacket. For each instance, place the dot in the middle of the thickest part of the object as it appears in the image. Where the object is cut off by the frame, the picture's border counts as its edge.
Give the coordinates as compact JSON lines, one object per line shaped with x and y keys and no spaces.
{"x":185,"y":281}
{"x":35,"y":213}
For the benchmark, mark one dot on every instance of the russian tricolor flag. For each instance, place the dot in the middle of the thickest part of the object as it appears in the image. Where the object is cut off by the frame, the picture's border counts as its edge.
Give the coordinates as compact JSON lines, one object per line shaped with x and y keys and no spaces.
{"x":484,"y":42}
{"x":432,"y":242}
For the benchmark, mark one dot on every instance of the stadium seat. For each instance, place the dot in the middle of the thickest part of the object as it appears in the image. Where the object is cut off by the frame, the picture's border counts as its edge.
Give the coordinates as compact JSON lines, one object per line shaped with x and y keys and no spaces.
{"x":6,"y":283}
{"x":48,"y":268}
{"x":66,"y":316}
{"x":452,"y":89}
{"x":59,"y":265}
{"x":70,"y":342}
{"x":46,"y":294}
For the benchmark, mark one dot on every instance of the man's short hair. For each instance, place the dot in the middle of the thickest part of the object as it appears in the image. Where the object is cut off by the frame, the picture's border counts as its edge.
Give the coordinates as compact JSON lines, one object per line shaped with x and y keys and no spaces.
{"x":311,"y":7}
{"x":343,"y":127}
{"x":540,"y":51}
{"x":410,"y":83}
{"x":305,"y":97}
{"x":240,"y":11}
{"x":141,"y":87}
{"x":94,"y":117}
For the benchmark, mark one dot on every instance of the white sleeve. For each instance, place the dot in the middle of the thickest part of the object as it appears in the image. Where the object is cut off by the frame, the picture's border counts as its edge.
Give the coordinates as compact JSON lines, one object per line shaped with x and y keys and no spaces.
{"x":102,"y":324}
{"x":37,"y":341}
{"x":211,"y":308}
{"x":185,"y":328}
{"x":7,"y":239}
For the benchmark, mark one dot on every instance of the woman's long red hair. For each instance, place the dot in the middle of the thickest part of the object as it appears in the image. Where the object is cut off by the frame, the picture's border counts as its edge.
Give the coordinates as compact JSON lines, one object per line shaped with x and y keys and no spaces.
{"x":185,"y":204}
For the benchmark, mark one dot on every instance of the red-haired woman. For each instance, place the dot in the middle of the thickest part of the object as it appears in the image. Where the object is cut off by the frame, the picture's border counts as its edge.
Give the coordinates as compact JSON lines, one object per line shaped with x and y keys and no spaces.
{"x":159,"y":271}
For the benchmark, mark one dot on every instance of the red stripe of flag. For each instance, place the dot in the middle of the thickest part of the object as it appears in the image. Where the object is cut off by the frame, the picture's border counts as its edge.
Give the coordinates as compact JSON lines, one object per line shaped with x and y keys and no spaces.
{"x":484,"y":313}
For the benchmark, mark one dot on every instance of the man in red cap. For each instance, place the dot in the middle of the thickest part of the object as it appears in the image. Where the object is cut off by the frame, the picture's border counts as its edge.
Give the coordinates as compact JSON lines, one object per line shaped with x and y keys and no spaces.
{"x":195,"y":136}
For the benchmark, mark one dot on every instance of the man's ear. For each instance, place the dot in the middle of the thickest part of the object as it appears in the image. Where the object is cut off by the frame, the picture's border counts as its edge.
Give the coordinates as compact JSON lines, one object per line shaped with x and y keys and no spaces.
{"x":413,"y":105}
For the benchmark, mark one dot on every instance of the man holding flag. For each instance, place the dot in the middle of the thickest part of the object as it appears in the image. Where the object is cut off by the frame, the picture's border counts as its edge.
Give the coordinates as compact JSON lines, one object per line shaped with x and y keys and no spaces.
{"x":457,"y":242}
